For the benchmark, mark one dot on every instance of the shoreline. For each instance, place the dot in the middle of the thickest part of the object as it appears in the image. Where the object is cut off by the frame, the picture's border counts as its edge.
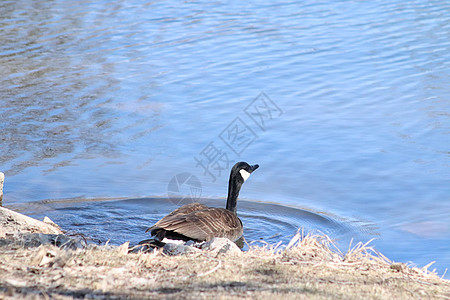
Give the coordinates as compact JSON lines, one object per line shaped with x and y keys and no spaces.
{"x":309,"y":267}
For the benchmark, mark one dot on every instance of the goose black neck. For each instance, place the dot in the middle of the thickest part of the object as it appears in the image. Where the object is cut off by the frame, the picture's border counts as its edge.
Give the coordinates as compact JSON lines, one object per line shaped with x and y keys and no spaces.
{"x":234,"y":186}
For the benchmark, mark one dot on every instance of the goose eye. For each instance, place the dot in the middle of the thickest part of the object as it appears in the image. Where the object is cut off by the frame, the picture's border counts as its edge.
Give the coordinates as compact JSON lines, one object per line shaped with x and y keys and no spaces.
{"x":245,"y":175}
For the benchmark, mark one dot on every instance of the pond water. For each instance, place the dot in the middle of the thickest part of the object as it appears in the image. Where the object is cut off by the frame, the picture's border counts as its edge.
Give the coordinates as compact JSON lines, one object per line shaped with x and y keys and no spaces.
{"x":344,"y":105}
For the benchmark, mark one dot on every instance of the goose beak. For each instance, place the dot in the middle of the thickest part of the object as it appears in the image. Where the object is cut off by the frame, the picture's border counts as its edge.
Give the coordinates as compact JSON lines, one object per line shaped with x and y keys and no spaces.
{"x":254,"y":167}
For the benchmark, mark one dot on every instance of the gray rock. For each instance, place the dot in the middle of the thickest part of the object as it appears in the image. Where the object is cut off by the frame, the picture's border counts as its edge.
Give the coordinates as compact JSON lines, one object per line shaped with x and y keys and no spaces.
{"x":179,"y":249}
{"x":31,"y":240}
{"x":221,"y":246}
{"x":12,"y":222}
{"x":190,"y":243}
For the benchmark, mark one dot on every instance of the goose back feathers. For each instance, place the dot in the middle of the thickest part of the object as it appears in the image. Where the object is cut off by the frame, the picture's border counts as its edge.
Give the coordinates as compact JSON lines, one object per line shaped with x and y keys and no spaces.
{"x":198,"y":222}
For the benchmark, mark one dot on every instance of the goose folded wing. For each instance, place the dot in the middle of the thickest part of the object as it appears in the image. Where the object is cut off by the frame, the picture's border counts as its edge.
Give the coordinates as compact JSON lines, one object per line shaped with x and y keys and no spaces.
{"x":203,"y":225}
{"x":183,"y":210}
{"x":188,"y":208}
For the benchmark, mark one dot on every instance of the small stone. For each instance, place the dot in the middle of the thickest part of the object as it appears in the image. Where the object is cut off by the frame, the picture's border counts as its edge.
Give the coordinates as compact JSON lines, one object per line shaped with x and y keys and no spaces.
{"x":221,"y":246}
{"x":177,"y":249}
{"x":31,"y":240}
{"x":190,"y":243}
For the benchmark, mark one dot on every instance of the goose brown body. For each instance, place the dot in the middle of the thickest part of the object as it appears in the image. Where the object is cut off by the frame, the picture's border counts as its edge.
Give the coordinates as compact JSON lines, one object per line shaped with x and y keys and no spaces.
{"x":199,"y":222}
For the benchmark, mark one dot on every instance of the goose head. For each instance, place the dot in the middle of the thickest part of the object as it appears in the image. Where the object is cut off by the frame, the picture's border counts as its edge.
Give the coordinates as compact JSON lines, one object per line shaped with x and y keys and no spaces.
{"x":241,"y":171}
{"x":239,"y":174}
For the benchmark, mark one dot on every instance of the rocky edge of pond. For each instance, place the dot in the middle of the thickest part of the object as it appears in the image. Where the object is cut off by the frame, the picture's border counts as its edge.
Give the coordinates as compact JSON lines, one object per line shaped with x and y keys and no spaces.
{"x":38,"y":260}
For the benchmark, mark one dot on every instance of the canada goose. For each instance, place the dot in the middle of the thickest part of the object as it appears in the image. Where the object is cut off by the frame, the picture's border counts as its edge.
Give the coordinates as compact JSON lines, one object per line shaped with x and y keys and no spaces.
{"x":199,"y":222}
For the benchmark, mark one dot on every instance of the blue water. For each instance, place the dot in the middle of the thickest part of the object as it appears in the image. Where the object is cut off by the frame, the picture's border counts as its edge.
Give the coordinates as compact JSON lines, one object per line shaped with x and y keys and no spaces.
{"x":344,"y":105}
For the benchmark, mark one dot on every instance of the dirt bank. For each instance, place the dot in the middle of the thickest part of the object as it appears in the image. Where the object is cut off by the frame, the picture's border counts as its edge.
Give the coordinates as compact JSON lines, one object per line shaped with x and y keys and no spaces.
{"x":308,"y":268}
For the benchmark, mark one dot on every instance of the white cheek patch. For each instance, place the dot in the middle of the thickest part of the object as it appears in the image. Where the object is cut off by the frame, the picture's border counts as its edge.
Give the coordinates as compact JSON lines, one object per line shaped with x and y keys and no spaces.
{"x":245,"y":175}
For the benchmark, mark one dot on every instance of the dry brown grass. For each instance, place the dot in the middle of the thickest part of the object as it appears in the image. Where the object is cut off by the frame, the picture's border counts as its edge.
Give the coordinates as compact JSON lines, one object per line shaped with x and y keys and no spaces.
{"x":309,"y":267}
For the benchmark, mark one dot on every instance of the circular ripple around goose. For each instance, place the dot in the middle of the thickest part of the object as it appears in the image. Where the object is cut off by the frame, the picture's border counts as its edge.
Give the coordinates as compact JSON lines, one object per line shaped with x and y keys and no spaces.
{"x":126,"y":220}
